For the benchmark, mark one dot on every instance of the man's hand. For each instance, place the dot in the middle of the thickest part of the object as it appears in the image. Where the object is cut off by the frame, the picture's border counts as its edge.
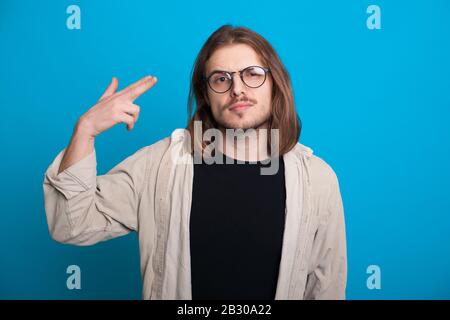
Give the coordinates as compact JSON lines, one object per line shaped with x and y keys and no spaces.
{"x":112,"y":108}
{"x":115,"y":107}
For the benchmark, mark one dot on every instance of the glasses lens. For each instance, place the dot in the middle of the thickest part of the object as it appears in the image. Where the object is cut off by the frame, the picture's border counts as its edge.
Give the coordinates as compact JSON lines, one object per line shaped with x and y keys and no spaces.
{"x":220,"y":81}
{"x":254,"y":76}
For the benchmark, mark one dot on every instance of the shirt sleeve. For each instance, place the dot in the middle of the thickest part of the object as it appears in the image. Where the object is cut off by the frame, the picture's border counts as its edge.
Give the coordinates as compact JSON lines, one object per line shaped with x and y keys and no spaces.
{"x":83,"y":208}
{"x":328,"y":278}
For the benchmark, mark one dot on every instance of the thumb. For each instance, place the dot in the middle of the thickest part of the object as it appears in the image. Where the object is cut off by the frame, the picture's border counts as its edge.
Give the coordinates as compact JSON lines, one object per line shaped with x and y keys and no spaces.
{"x":111,"y":88}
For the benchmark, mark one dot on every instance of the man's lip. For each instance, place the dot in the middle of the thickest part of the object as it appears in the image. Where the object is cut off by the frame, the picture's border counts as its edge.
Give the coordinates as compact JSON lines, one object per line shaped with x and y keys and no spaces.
{"x":240,"y":106}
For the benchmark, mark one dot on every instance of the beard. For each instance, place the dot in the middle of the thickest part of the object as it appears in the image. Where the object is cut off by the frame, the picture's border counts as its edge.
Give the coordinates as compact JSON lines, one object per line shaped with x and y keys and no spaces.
{"x":258,"y":121}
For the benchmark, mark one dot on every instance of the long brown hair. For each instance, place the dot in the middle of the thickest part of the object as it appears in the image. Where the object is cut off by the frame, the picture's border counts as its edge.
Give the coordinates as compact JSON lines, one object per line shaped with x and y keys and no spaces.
{"x":283,"y":114}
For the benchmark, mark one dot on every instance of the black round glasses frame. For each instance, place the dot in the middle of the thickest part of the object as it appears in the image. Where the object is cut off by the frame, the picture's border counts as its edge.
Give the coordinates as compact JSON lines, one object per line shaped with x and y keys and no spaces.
{"x":230,"y":74}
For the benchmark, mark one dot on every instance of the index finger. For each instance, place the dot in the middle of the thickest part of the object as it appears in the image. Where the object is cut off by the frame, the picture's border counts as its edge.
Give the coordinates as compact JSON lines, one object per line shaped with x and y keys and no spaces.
{"x":136,"y":89}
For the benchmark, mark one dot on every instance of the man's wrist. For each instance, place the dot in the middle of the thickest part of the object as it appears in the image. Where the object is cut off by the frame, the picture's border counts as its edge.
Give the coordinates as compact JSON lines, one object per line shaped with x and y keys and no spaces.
{"x":82,"y":130}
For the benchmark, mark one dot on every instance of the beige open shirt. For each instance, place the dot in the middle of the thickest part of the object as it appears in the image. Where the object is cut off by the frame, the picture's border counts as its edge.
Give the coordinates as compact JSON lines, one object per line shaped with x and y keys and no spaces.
{"x":149,"y":192}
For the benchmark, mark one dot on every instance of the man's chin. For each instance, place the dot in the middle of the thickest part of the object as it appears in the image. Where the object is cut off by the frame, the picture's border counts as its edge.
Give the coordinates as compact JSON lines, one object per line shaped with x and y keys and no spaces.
{"x":244,"y":125}
{"x":239,"y":127}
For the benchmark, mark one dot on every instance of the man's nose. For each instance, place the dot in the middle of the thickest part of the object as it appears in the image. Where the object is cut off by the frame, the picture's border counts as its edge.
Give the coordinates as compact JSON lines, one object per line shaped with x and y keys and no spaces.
{"x":238,"y":86}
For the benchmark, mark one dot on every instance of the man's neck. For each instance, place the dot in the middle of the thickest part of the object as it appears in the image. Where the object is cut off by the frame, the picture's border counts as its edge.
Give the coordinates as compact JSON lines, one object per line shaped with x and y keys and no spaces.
{"x":248,"y":145}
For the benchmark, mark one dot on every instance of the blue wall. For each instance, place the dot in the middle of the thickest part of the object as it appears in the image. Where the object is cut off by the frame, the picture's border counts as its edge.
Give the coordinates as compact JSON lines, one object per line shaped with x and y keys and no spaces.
{"x":374,"y":104}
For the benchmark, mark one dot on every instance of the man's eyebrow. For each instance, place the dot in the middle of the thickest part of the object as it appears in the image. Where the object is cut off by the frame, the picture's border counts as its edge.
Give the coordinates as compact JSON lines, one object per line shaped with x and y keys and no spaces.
{"x":221,"y":70}
{"x":218,"y":70}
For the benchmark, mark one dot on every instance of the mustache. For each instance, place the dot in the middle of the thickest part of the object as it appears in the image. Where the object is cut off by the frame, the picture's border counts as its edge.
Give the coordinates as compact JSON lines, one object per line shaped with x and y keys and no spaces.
{"x":250,"y":101}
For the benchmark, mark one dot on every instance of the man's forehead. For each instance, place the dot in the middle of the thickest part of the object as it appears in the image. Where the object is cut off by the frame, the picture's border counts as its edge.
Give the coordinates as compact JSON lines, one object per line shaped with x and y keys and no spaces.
{"x":232,"y":58}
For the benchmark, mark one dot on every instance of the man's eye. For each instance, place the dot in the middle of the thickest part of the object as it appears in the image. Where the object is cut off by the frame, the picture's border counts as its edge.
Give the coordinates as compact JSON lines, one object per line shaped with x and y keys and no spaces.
{"x":221,"y":79}
{"x":252,"y":73}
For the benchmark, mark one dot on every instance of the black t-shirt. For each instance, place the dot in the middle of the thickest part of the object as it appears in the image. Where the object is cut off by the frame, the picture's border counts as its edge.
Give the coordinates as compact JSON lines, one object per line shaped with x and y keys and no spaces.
{"x":236,"y":230}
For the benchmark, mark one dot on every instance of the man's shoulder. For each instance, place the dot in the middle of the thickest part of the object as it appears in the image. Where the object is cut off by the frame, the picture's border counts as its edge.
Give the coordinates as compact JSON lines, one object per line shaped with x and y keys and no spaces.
{"x":320,"y":171}
{"x":157,"y":149}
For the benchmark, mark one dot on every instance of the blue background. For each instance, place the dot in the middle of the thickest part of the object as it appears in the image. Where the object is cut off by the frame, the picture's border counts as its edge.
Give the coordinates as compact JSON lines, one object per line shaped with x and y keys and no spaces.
{"x":374,"y":104}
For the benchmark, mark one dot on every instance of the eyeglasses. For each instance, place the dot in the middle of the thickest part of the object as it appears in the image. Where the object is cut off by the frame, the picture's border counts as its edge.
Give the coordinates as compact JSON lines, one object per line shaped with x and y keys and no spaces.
{"x":221,"y":81}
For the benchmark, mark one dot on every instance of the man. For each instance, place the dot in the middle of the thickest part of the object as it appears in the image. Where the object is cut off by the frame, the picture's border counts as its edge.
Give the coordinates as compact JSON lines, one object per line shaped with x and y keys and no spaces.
{"x":233,"y":207}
